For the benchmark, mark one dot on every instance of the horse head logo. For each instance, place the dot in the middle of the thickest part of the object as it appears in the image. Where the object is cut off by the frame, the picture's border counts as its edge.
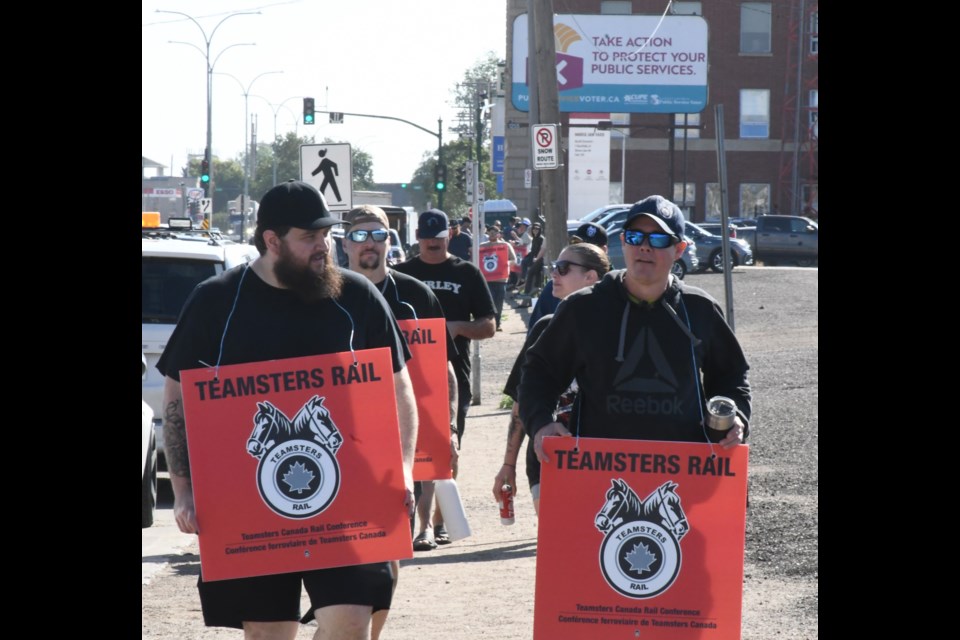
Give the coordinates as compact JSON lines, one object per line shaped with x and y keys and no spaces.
{"x":640,"y":556}
{"x":666,"y":503}
{"x":622,"y":505}
{"x":269,"y":424}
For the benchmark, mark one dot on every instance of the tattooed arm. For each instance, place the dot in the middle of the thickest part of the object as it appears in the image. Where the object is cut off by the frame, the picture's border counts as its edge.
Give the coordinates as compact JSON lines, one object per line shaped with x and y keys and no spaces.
{"x":175,"y":445}
{"x":508,"y":472}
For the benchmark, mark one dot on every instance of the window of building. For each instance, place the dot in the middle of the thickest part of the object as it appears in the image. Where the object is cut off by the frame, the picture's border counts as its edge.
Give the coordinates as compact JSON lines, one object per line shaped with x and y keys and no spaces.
{"x":755,"y":27}
{"x":754,"y":113}
{"x":693,"y":120}
{"x":686,"y":9}
{"x":613,"y":7}
{"x":712,"y":200}
{"x":814,"y":33}
{"x":814,"y":111}
{"x":754,"y":200}
{"x":678,"y":196}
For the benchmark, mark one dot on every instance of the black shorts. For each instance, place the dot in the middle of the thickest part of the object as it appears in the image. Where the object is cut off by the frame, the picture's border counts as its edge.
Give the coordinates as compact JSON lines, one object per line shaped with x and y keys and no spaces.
{"x":276,"y":598}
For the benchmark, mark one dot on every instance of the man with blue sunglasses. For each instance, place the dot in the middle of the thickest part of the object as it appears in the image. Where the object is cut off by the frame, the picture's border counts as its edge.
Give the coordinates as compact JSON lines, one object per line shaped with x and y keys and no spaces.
{"x":647,"y":350}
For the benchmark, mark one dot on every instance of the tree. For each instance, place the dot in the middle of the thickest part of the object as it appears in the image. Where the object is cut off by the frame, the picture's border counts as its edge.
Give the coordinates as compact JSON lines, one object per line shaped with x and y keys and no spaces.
{"x":457,"y":152}
{"x":286,"y":149}
{"x":227,"y":180}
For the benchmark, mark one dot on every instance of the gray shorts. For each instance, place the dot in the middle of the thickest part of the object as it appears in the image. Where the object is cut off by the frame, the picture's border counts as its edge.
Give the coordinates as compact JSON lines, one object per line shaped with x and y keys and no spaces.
{"x":276,"y":598}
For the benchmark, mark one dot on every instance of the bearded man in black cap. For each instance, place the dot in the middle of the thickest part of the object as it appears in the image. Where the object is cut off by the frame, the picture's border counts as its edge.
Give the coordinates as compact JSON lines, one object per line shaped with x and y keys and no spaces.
{"x":291,"y":301}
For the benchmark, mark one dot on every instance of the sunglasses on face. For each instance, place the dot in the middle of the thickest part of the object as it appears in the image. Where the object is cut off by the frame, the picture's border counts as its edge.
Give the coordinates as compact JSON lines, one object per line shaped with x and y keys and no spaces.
{"x":563,"y":266}
{"x":657,"y":240}
{"x":360,"y":235}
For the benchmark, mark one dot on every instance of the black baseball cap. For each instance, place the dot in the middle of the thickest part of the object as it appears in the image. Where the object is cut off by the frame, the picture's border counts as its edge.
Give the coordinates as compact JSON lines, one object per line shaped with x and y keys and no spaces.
{"x":295,"y":204}
{"x":433,"y":223}
{"x":591,"y":233}
{"x":666,"y":214}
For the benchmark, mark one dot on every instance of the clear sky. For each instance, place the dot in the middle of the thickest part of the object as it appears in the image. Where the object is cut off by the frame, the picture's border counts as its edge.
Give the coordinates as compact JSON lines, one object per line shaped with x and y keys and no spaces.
{"x":400,"y":58}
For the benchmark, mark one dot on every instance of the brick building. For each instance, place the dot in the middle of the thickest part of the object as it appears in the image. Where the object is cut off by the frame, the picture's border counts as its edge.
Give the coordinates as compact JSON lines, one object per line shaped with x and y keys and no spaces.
{"x":763,"y":69}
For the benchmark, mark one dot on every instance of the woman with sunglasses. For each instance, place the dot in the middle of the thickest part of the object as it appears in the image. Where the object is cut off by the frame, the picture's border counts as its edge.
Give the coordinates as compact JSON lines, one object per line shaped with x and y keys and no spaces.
{"x":647,"y":350}
{"x":579,"y":265}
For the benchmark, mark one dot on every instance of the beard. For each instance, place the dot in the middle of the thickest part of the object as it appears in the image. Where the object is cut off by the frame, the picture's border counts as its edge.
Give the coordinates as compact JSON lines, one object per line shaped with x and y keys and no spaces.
{"x":303,"y":280}
{"x":369,"y":261}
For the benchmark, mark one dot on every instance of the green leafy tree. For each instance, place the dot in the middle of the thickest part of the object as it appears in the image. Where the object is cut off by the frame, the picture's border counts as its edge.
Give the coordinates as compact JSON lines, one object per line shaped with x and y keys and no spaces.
{"x":227,"y":180}
{"x":457,"y":152}
{"x":286,"y":151}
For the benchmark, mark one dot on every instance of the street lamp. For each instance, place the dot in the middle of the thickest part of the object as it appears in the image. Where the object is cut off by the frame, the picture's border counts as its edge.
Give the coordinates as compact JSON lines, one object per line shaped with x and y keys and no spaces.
{"x":208,"y":153}
{"x":276,"y":111}
{"x":246,"y":145}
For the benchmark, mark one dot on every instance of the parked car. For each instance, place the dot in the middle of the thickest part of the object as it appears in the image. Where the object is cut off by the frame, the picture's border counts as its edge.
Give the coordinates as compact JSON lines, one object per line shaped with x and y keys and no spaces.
{"x":710,"y":248}
{"x":792,"y":239}
{"x":687,"y":263}
{"x":714,"y":228}
{"x":148,"y":458}
{"x":396,"y":254}
{"x":597,"y":214}
{"x":175,"y":259}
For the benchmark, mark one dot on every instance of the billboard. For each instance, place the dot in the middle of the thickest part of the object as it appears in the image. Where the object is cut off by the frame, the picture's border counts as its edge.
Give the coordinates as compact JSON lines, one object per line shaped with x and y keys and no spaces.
{"x":631,"y":64}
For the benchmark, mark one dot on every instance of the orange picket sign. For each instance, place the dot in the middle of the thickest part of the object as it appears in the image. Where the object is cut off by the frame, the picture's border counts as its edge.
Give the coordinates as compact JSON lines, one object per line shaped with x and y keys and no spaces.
{"x":427,"y":340}
{"x":640,"y":539}
{"x":520,"y":250}
{"x":296,"y":464}
{"x":495,"y":261}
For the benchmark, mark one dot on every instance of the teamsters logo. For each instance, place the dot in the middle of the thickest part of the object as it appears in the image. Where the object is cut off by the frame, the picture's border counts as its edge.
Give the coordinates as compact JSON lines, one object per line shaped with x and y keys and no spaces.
{"x":640,"y":555}
{"x":298,"y":476}
{"x":490,"y":262}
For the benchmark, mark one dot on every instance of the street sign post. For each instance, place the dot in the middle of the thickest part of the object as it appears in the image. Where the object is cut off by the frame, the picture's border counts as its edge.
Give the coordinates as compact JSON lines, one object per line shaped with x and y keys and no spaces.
{"x":546,"y":147}
{"x":206,"y":206}
{"x":329,"y":168}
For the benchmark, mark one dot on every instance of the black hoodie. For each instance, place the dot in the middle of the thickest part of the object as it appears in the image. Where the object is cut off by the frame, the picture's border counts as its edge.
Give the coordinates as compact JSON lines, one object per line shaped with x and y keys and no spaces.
{"x":634,"y":363}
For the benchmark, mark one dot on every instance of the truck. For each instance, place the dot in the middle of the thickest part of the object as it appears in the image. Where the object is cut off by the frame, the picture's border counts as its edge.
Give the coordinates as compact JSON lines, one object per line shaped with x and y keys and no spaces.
{"x":777,"y":239}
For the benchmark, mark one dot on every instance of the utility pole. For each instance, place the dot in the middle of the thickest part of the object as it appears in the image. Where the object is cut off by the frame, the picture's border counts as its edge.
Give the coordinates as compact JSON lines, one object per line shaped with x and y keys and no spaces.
{"x":552,"y":203}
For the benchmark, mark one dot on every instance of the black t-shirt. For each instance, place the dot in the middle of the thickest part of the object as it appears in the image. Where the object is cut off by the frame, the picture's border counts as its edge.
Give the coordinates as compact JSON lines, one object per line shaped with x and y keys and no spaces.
{"x":399,"y":288}
{"x":254,"y":322}
{"x":460,"y":246}
{"x":463,"y":294}
{"x":535,"y":247}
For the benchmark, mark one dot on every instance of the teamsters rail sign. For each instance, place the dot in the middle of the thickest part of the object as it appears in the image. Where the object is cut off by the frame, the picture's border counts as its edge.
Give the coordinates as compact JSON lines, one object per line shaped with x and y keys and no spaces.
{"x":618,"y":63}
{"x":296,"y":464}
{"x":640,"y":539}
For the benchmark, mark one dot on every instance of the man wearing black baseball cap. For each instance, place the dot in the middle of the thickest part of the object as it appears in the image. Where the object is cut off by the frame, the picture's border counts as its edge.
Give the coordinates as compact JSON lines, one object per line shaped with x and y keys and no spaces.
{"x":467,"y":307}
{"x":292,"y":301}
{"x":463,"y":293}
{"x":647,"y":350}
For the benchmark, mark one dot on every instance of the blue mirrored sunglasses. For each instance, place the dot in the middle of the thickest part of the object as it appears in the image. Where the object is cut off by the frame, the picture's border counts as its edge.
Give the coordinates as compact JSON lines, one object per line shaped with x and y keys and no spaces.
{"x":360,"y":235}
{"x":657,"y":240}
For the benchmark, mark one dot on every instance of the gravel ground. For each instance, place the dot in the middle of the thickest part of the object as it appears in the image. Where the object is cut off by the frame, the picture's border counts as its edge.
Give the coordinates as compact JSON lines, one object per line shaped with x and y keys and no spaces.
{"x":482,"y":586}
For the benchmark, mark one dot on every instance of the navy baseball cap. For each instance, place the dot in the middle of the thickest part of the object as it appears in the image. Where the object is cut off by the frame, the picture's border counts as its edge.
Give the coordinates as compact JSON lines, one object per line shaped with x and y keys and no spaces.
{"x":433,"y":224}
{"x":294,"y":204}
{"x":666,"y":214}
{"x":592,"y":233}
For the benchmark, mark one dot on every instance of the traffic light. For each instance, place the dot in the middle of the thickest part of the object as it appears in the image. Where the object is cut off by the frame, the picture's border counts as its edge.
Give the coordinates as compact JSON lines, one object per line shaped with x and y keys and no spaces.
{"x":204,"y":172}
{"x":440,"y":177}
{"x":462,"y":177}
{"x":308,"y":111}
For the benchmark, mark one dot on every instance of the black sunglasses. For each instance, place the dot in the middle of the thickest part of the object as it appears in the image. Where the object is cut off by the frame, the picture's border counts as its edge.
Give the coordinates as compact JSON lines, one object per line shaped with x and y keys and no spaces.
{"x":360,"y":235}
{"x":563,"y":266}
{"x":657,"y":240}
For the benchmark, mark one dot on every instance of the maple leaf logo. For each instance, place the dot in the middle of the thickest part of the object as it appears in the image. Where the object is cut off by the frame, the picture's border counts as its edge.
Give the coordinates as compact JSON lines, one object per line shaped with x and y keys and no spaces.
{"x":640,"y":558}
{"x":298,"y":478}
